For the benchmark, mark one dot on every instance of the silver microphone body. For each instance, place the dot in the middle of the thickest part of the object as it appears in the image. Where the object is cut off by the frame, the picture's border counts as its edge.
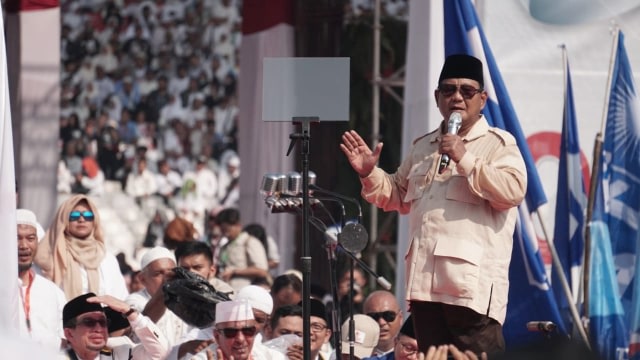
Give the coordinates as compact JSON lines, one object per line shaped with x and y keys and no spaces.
{"x":453,"y":125}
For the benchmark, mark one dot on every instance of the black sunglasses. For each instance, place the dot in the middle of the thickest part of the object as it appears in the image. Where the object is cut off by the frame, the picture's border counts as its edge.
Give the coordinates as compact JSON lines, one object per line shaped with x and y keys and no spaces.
{"x":388,"y":315}
{"x":75,"y":215}
{"x":231,"y":333}
{"x":91,"y":322}
{"x":467,"y":91}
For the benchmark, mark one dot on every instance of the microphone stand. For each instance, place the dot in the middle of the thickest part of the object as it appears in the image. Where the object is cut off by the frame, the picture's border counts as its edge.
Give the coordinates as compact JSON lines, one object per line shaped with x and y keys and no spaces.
{"x":384,"y":283}
{"x":305,"y":259}
{"x":331,"y":246}
{"x":336,"y":316}
{"x":352,"y":323}
{"x":380,"y":280}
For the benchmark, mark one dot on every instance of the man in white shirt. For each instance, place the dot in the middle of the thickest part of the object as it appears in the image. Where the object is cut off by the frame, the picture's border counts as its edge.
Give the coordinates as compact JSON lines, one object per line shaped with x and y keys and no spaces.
{"x":42,"y":301}
{"x":206,"y":182}
{"x":261,"y":305}
{"x":235,"y":330}
{"x":157,"y":266}
{"x":168,"y":181}
{"x":142,"y":183}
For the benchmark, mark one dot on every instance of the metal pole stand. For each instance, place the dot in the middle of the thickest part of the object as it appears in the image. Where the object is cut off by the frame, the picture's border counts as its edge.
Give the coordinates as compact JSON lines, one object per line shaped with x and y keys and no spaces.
{"x":305,"y":259}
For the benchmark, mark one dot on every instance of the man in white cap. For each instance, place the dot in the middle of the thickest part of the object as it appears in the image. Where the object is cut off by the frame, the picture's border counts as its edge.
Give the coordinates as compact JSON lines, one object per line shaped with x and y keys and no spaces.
{"x":235,"y":330}
{"x":157,"y":266}
{"x":42,"y":301}
{"x":366,"y":335}
{"x":261,"y":305}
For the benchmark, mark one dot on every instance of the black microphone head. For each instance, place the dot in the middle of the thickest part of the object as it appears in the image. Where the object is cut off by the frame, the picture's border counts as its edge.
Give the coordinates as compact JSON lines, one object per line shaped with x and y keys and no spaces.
{"x":354,"y":237}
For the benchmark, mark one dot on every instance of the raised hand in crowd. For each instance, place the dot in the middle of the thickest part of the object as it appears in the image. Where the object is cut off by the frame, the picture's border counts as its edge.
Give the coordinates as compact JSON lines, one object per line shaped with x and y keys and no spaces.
{"x":441,"y":352}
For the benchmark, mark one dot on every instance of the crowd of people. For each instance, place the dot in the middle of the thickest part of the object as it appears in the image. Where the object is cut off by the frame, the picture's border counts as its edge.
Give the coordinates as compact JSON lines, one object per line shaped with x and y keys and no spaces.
{"x":149,"y":99}
{"x":76,"y":300}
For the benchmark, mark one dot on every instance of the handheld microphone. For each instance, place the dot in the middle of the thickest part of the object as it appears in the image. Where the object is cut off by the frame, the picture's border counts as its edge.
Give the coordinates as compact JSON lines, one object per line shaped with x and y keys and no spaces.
{"x":455,"y":120}
{"x":541,"y":326}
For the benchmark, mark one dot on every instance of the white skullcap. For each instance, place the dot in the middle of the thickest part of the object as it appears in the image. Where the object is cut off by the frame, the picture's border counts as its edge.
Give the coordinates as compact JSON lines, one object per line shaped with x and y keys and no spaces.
{"x":234,"y":161}
{"x":258,"y":298}
{"x":154,"y":254}
{"x":236,"y":310}
{"x":27,"y":217}
{"x":294,"y":272}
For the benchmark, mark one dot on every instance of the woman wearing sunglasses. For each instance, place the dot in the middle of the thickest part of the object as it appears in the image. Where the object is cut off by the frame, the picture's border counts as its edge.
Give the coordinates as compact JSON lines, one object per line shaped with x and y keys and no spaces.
{"x":73,"y":253}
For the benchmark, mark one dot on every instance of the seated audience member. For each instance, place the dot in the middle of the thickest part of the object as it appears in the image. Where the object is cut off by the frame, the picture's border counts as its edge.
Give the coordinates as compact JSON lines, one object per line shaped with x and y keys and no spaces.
{"x":286,"y":321}
{"x":168,"y":181}
{"x":85,"y":328}
{"x":406,"y":345}
{"x":366,"y":334}
{"x":320,"y":331}
{"x":198,"y":339}
{"x":228,"y":182}
{"x":344,"y":288}
{"x":382,"y":306}
{"x":235,"y":330}
{"x":92,"y":178}
{"x":232,"y":336}
{"x":258,"y":231}
{"x":157,"y":266}
{"x":197,"y":257}
{"x":261,"y":303}
{"x":286,"y":290}
{"x":135,"y":284}
{"x":290,"y":316}
{"x":141,"y":184}
{"x":73,"y":253}
{"x":179,"y":230}
{"x":42,"y":301}
{"x":155,"y":230}
{"x":242,"y":258}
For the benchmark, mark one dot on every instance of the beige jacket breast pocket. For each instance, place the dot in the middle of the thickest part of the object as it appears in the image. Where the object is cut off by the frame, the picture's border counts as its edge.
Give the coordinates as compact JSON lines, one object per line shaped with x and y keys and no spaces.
{"x":417,"y":180}
{"x":456,"y":268}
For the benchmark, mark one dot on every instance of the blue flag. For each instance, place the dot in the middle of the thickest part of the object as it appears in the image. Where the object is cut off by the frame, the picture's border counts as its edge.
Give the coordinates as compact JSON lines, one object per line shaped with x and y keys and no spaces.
{"x":530,"y":295}
{"x":616,"y":217}
{"x":571,"y":203}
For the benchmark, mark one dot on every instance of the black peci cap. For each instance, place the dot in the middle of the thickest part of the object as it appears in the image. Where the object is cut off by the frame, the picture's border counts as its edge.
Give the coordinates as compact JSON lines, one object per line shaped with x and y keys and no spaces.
{"x":462,"y":66}
{"x":407,"y":328}
{"x":78,"y":306}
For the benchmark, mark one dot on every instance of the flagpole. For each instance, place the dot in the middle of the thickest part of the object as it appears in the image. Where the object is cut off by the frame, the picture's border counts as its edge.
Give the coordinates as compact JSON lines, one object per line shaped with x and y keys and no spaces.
{"x":566,"y":289}
{"x":563,"y":281}
{"x":595,"y":169}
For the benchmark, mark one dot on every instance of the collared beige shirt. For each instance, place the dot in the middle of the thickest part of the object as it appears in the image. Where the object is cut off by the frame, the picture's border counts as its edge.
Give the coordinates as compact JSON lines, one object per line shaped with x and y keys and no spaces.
{"x":461,"y":222}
